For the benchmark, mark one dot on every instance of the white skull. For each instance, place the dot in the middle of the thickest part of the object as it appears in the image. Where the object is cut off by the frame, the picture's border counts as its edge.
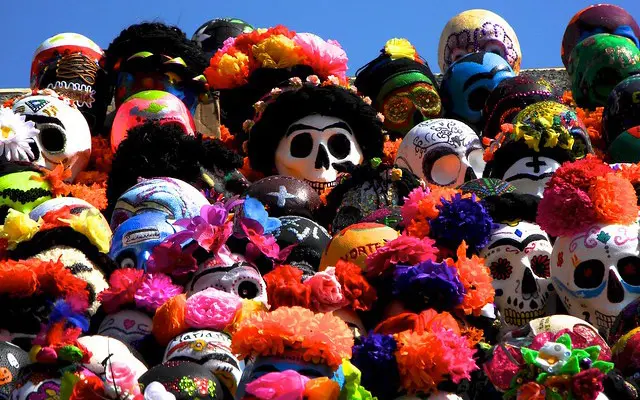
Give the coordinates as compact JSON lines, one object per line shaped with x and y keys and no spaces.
{"x":128,"y":326}
{"x":519,"y":259}
{"x":313,"y":146}
{"x":64,"y":136}
{"x":444,"y":152}
{"x":530,"y":175}
{"x":210,"y":349}
{"x":240,"y":278}
{"x":596,"y":273}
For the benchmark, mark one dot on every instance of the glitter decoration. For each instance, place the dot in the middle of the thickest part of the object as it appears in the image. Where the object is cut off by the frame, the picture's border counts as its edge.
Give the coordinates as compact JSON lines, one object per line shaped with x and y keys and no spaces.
{"x":187,"y":385}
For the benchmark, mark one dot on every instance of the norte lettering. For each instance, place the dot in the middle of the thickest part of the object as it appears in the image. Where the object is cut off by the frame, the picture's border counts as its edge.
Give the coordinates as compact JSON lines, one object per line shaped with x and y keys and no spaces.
{"x":365,"y":250}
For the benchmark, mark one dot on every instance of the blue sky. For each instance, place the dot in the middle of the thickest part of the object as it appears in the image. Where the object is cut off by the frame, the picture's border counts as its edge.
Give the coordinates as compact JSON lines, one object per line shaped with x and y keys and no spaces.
{"x":361,"y":26}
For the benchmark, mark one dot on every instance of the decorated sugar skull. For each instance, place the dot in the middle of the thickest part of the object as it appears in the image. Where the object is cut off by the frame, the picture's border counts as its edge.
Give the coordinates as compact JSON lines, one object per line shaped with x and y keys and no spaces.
{"x":285,"y":195}
{"x":510,"y":97}
{"x":443,"y":152}
{"x":135,"y":238}
{"x":598,"y":18}
{"x":71,"y":65}
{"x":241,"y":278}
{"x":182,"y":380}
{"x":621,"y":121}
{"x":44,"y":381}
{"x":519,"y":257}
{"x":210,"y":349}
{"x":467,"y":84}
{"x":309,"y":238}
{"x":173,"y":197}
{"x":475,"y":31}
{"x":211,"y":35}
{"x":596,"y":256}
{"x":107,"y":353}
{"x":24,"y":180}
{"x":541,"y":138}
{"x":313,"y":133}
{"x":12,"y":360}
{"x":401,"y":87}
{"x":64,"y":136}
{"x":149,"y":105}
{"x":597,"y":64}
{"x":129,"y":326}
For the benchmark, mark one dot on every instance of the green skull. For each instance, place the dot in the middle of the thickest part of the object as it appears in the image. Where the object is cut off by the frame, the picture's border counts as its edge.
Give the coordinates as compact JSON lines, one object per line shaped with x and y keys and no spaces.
{"x":598,"y":64}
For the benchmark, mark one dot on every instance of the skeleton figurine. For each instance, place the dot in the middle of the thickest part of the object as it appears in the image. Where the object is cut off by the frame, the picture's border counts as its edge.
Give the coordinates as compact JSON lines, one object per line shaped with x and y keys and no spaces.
{"x":313,"y":133}
{"x":443,"y":152}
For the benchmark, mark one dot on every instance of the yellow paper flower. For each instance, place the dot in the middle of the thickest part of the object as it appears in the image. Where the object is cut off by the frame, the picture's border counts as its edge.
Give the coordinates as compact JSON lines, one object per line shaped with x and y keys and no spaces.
{"x":233,"y":64}
{"x":530,"y":136}
{"x":277,"y":51}
{"x":400,"y":48}
{"x":92,"y":224}
{"x":18,"y":227}
{"x":552,"y":138}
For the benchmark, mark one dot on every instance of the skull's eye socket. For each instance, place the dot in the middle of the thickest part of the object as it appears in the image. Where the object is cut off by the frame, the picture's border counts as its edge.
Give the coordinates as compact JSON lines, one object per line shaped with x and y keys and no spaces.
{"x":446,"y":169}
{"x":501,"y":269}
{"x":126,"y":260}
{"x":52,"y":139}
{"x":540,"y":266}
{"x":629,"y":270}
{"x":589,"y":274}
{"x":301,"y":145}
{"x":339,"y":146}
{"x":477,"y":98}
{"x":248,"y":289}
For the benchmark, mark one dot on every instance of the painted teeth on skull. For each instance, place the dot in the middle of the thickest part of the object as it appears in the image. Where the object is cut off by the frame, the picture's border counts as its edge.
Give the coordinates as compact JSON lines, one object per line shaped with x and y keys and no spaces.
{"x":513,"y":317}
{"x":604,"y":320}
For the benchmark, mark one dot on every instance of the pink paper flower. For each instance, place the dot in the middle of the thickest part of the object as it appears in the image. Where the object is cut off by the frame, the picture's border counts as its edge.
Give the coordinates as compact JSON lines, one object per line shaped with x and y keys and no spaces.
{"x":327,"y":57}
{"x":211,"y":309}
{"x":405,"y":250}
{"x":154,"y":291}
{"x":326,"y":292}
{"x":286,"y":385}
{"x":121,"y":376}
{"x":168,"y":257}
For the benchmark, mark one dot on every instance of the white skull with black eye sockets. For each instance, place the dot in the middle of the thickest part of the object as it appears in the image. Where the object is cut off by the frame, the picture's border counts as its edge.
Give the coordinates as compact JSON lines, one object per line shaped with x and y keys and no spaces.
{"x":596,"y":273}
{"x":443,"y":152}
{"x":519,"y":259}
{"x":210,"y":349}
{"x":313,"y":146}
{"x":241,"y":278}
{"x":529,"y":175}
{"x":64,"y":136}
{"x":128,"y":326}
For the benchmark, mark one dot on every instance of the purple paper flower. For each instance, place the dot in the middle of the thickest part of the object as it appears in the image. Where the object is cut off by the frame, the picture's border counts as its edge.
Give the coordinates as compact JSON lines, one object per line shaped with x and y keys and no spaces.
{"x":428,"y":285}
{"x":375,"y":358}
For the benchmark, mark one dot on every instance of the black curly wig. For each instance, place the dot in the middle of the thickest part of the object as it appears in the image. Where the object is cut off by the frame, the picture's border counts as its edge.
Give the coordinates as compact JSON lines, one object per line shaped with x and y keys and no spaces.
{"x":511,"y":207}
{"x":293,"y":105}
{"x":378,"y":180}
{"x":164,"y":150}
{"x":157,"y":38}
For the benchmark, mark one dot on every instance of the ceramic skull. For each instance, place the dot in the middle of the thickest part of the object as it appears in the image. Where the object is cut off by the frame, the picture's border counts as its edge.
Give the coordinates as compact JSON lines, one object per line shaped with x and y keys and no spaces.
{"x":128,"y":326}
{"x":64,"y":136}
{"x":444,"y":152}
{"x":241,"y":278}
{"x":518,"y":257}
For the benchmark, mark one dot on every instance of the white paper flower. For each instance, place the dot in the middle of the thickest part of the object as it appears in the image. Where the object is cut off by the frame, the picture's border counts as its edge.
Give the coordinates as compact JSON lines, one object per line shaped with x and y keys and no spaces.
{"x":16,"y":134}
{"x":156,"y":391}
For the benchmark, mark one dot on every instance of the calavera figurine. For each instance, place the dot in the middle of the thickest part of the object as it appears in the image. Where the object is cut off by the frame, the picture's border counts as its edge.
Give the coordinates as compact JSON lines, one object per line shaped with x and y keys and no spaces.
{"x":313,"y":133}
{"x":541,"y":138}
{"x":129,"y":326}
{"x":475,"y":31}
{"x":401,"y":87}
{"x":519,"y":257}
{"x":597,"y":64}
{"x":595,"y":259}
{"x":308,"y":238}
{"x":443,"y":152}
{"x":467,"y":84}
{"x":64,"y":136}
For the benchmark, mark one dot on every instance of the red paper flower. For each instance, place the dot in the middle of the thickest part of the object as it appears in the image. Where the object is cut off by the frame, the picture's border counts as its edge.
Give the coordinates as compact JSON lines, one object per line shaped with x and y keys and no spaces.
{"x":123,"y":286}
{"x":405,"y":250}
{"x":360,"y":294}
{"x":89,"y":388}
{"x":285,"y":288}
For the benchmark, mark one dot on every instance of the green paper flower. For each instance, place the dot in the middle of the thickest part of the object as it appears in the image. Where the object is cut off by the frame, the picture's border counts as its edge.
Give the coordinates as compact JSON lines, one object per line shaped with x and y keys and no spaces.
{"x":352,"y":390}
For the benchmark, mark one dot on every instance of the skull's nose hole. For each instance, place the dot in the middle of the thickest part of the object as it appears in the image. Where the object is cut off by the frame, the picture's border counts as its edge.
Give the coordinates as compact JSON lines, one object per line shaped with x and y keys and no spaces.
{"x":470,"y":175}
{"x":615,"y":292}
{"x":322,"y":159}
{"x":529,"y":282}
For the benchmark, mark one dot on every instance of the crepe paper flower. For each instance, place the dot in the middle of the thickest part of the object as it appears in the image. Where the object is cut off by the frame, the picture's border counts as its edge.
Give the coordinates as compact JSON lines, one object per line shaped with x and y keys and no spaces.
{"x":119,"y":375}
{"x":400,"y":48}
{"x":254,"y":210}
{"x":476,"y":279}
{"x":421,"y":206}
{"x":375,"y":357}
{"x":352,"y":388}
{"x":169,"y":257}
{"x":88,"y":387}
{"x":326,"y":57}
{"x":154,"y":290}
{"x":18,"y":228}
{"x":277,"y":51}
{"x":285,"y":288}
{"x":531,"y":391}
{"x":16,"y":136}
{"x":123,"y":284}
{"x":406,"y":250}
{"x":285,"y":385}
{"x":94,"y":227}
{"x":228,"y":69}
{"x":462,"y":219}
{"x":426,"y":321}
{"x":247,"y":308}
{"x":211,"y":309}
{"x":428,"y":285}
{"x":586,"y":385}
{"x":358,"y":293}
{"x":425,"y":360}
{"x":319,"y":338}
{"x":169,"y":321}
{"x":326,"y":291}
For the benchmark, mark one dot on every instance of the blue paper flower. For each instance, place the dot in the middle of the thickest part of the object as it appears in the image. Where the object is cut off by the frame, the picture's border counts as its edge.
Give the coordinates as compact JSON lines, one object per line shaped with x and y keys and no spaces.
{"x":428,"y":285}
{"x":375,"y":358}
{"x":254,"y":210}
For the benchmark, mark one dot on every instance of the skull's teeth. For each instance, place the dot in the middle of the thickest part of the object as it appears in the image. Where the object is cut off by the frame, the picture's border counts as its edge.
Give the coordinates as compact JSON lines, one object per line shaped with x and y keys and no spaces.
{"x":321,"y":186}
{"x":603,"y":320}
{"x":515,"y":318}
